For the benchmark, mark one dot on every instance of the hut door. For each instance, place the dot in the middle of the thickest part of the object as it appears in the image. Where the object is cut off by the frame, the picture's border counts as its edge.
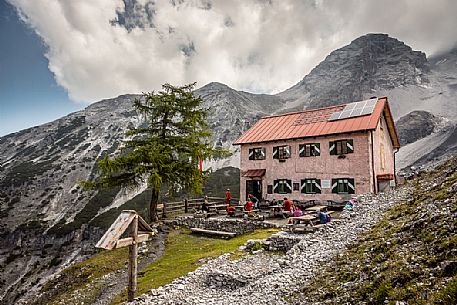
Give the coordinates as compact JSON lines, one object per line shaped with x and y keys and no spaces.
{"x":254,"y":187}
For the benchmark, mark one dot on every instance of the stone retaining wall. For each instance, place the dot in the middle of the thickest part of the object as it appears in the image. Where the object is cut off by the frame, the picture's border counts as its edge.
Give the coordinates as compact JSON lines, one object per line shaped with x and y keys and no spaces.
{"x":281,"y":241}
{"x":237,"y":226}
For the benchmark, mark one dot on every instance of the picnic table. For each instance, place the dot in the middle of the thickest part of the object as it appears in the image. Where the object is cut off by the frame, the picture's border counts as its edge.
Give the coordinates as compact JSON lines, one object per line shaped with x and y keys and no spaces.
{"x":303,"y":219}
{"x":276,"y":208}
{"x":316,"y":208}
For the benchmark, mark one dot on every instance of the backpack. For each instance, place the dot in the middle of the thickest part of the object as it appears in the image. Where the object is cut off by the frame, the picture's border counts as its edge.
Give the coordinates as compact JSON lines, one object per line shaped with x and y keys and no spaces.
{"x":328,"y":218}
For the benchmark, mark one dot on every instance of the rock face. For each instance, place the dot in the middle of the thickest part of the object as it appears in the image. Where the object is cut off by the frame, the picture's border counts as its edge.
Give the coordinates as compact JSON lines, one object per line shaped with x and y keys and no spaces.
{"x":40,"y":167}
{"x":369,"y":63}
{"x":415,"y":125}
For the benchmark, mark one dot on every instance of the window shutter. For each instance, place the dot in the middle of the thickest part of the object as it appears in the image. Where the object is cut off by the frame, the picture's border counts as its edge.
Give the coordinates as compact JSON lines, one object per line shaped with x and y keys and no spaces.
{"x":303,"y":185}
{"x":263,"y":152}
{"x":288,"y":186}
{"x":317,"y":149}
{"x":351,"y":186}
{"x":276,"y":152}
{"x":301,"y":150}
{"x":332,"y":148}
{"x":275,"y":186}
{"x":335,"y":186}
{"x":350,"y":146}
{"x":317,"y":184}
{"x":287,"y":150}
{"x":251,"y":154}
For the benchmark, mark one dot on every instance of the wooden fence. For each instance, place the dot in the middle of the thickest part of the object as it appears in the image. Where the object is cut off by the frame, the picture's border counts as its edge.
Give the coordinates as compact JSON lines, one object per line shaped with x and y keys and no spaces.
{"x":188,"y":205}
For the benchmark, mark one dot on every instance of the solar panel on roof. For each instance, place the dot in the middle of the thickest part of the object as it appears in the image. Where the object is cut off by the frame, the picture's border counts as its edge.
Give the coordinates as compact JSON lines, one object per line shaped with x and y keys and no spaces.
{"x":371,"y":102}
{"x":356,"y":112}
{"x":334,"y":116}
{"x":349,"y":106}
{"x":355,"y":109}
{"x":367,"y":110}
{"x":345,"y":114}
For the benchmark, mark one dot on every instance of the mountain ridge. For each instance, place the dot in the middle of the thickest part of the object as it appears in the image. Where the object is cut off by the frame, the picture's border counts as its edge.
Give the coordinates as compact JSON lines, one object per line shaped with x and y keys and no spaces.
{"x":40,"y":166}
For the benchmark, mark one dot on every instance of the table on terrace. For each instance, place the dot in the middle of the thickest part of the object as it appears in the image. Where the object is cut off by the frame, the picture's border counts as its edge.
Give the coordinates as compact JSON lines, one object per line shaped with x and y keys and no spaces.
{"x":303,"y":219}
{"x":316,"y":208}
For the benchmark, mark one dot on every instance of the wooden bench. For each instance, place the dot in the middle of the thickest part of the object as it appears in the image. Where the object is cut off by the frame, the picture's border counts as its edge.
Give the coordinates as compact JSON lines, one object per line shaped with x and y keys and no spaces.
{"x":223,"y":234}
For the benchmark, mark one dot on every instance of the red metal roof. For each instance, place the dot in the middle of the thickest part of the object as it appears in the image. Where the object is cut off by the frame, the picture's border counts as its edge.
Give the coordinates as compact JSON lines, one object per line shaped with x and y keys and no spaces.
{"x":314,"y":123}
{"x":254,"y":173}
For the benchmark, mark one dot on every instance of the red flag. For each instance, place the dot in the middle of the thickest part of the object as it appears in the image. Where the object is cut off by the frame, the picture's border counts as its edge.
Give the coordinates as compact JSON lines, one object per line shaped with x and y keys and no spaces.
{"x":201,"y":165}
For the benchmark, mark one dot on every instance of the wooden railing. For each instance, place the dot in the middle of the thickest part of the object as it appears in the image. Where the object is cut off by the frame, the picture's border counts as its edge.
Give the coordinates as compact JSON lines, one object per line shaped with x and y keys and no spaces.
{"x":188,"y":205}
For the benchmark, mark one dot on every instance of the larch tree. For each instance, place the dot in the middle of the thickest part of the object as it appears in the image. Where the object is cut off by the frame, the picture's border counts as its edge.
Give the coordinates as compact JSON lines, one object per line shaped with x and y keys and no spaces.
{"x":165,"y":151}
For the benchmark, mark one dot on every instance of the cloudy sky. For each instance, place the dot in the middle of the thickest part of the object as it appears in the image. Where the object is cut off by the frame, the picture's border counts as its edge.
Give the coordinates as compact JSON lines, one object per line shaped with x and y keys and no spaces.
{"x":58,"y":56}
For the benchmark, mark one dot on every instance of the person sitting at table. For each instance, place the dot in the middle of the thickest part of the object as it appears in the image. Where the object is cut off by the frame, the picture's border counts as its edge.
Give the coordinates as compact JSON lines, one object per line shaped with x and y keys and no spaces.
{"x":297,"y":211}
{"x":205,"y":205}
{"x":255,"y":201}
{"x":248,"y":206}
{"x":349,"y":205}
{"x":323,"y":219}
{"x":287,"y":206}
{"x":230,"y":210}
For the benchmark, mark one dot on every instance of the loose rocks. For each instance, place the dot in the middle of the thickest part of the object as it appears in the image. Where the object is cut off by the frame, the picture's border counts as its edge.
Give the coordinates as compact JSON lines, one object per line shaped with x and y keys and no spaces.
{"x":266,"y":278}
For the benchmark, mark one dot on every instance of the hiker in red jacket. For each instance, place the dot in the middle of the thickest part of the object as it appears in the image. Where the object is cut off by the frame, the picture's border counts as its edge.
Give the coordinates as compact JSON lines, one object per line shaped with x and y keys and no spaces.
{"x":287,"y":204}
{"x":227,"y":197}
{"x":248,"y":206}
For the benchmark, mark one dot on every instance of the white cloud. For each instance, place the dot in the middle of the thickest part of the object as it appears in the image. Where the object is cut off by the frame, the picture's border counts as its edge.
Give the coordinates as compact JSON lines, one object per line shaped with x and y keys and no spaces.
{"x":255,"y":45}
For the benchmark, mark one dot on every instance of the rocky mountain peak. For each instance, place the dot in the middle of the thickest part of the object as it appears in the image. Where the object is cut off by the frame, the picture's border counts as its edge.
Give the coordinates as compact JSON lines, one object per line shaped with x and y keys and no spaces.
{"x":215,"y":86}
{"x":416,"y":125}
{"x":369,"y":63}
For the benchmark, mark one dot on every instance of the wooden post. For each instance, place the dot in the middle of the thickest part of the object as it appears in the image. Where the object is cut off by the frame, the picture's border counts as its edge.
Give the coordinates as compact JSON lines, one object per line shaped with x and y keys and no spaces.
{"x":185,"y":205}
{"x":133,"y":253}
{"x":112,"y":239}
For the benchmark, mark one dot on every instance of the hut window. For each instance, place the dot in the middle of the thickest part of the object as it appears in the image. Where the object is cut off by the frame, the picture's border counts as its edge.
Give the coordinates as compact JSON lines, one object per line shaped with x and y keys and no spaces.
{"x":309,"y":150}
{"x":341,"y":147}
{"x":282,"y":186}
{"x":311,"y":186}
{"x":383,"y":157}
{"x":281,"y":152}
{"x":343,"y":186}
{"x":257,"y":153}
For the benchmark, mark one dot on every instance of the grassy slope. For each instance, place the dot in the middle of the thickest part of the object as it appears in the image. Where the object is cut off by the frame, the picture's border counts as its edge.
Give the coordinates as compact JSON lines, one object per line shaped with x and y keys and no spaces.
{"x":184,"y":252}
{"x":81,"y":276}
{"x":409,"y":256}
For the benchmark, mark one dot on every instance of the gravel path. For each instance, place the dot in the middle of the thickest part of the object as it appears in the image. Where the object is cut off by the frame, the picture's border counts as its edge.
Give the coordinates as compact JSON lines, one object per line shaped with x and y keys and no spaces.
{"x":267,"y":279}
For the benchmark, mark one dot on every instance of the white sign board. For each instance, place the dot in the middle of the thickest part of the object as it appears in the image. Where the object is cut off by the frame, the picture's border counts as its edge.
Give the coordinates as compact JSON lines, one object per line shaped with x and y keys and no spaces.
{"x":326,"y":184}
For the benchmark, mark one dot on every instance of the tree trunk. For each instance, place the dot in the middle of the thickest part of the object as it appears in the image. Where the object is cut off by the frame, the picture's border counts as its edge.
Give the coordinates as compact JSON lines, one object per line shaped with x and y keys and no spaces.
{"x":153,"y":206}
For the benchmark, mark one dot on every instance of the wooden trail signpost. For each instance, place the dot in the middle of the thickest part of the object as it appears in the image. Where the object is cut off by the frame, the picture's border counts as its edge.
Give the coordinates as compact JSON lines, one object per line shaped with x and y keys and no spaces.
{"x":139,"y":232}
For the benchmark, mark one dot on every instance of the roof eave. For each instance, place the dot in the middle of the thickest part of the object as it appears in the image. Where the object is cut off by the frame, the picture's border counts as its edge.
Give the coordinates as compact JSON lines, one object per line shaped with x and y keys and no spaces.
{"x":391,"y":125}
{"x":305,"y":137}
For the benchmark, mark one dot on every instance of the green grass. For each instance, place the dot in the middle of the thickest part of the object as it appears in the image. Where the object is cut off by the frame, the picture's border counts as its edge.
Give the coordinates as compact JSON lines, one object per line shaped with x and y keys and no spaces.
{"x":79,"y":276}
{"x":184,"y":253}
{"x":396,"y":258}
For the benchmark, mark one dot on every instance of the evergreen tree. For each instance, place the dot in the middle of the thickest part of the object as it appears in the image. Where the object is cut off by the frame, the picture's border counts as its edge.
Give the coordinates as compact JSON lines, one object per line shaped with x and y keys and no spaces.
{"x":164,"y":152}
